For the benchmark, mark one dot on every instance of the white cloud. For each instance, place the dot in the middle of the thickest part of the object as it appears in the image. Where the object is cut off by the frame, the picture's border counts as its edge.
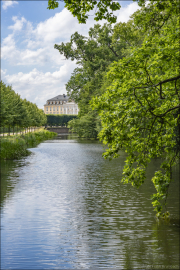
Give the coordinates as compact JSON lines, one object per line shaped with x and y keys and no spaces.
{"x":37,"y":86}
{"x":3,"y":72}
{"x":8,"y":3}
{"x":33,"y":47}
{"x":37,"y":44}
{"x":124,"y":13}
{"x":8,"y":50}
{"x":18,"y":23}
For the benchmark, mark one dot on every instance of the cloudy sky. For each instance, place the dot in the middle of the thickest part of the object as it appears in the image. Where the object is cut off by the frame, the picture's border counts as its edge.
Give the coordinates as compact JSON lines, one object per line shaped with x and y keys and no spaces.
{"x":29,"y":61}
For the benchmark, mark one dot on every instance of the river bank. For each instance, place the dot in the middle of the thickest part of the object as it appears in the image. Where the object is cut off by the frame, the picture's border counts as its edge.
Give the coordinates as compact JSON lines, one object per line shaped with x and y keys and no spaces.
{"x":14,"y":147}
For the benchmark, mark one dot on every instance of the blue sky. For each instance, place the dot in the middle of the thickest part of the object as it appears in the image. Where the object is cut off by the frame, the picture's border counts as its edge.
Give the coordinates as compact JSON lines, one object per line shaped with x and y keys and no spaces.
{"x":29,"y":61}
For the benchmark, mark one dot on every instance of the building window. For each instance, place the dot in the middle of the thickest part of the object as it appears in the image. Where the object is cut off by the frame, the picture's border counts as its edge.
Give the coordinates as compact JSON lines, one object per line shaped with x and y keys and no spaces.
{"x":53,"y":108}
{"x":57,"y":108}
{"x":46,"y":108}
{"x":50,"y":108}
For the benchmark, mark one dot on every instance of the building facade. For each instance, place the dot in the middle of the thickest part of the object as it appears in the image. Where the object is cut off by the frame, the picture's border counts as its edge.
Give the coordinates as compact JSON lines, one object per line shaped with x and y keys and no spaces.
{"x":60,"y":105}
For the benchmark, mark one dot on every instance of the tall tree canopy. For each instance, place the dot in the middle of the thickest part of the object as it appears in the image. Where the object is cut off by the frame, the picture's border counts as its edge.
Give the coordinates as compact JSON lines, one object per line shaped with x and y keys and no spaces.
{"x":18,"y":112}
{"x":93,"y":54}
{"x":140,"y":110}
{"x":130,"y":75}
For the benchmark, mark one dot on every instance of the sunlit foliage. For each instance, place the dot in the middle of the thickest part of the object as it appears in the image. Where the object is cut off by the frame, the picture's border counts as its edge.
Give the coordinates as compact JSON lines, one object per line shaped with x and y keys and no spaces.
{"x":140,"y":110}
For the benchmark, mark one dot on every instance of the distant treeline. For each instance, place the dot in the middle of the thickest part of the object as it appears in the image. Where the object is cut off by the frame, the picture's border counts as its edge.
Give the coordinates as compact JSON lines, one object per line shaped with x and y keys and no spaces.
{"x":59,"y":120}
{"x":19,"y":112}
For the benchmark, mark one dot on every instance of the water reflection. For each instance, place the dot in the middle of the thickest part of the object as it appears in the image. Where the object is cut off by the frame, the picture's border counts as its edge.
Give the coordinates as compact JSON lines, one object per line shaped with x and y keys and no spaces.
{"x":9,"y":177}
{"x":68,"y":209}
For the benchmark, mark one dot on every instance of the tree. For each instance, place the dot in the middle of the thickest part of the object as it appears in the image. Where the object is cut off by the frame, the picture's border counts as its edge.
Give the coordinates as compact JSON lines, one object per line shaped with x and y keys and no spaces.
{"x":135,"y":90}
{"x":6,"y":112}
{"x":140,"y":110}
{"x":85,"y":126}
{"x":93,"y":54}
{"x":79,"y":9}
{"x":104,"y":10}
{"x":19,"y":112}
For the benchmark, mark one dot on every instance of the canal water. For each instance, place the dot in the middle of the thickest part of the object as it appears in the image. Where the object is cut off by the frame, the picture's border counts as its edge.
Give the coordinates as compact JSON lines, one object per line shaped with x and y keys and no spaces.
{"x":64,"y":207}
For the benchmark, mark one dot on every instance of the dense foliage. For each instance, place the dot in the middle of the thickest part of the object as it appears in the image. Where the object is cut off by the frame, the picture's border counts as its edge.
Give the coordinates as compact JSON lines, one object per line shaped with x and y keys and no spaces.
{"x":59,"y":120}
{"x":16,"y":111}
{"x":79,"y":9}
{"x":130,"y":76}
{"x":140,"y":109}
{"x":102,"y":9}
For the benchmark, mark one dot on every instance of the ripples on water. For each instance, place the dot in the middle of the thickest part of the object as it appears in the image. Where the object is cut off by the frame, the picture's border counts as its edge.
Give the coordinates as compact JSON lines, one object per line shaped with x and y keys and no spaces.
{"x":65,"y":207}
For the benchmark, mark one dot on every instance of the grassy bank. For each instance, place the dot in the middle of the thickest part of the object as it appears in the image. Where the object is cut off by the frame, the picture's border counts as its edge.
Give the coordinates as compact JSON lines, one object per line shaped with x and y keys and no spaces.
{"x":14,"y":147}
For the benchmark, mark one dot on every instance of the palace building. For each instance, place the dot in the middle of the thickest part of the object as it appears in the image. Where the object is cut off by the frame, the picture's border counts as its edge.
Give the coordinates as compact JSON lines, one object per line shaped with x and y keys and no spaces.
{"x":60,"y":104}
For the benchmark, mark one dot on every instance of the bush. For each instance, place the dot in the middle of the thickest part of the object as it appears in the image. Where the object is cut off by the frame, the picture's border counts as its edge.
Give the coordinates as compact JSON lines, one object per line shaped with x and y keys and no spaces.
{"x":15,"y":147}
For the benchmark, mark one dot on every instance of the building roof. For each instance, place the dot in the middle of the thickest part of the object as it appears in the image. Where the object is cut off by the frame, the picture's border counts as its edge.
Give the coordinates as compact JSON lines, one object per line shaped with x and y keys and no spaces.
{"x":59,"y":97}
